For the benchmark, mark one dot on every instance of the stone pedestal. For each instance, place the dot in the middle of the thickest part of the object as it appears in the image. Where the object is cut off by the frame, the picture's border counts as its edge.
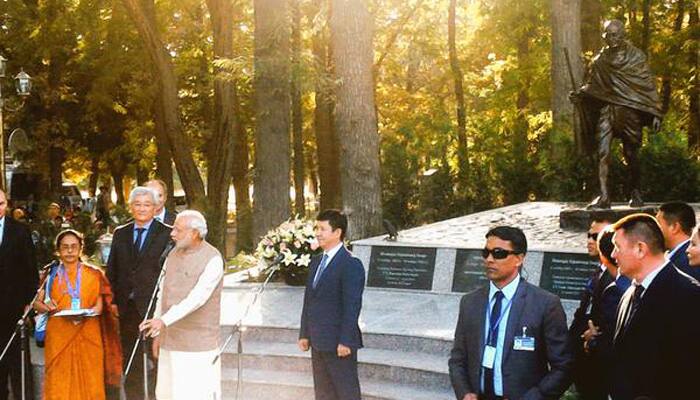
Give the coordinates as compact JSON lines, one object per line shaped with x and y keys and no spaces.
{"x":578,"y":218}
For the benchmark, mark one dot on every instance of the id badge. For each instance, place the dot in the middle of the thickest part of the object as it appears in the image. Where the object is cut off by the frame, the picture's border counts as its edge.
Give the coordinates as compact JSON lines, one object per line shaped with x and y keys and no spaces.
{"x":489,"y":357}
{"x":524,"y":343}
{"x":75,"y":304}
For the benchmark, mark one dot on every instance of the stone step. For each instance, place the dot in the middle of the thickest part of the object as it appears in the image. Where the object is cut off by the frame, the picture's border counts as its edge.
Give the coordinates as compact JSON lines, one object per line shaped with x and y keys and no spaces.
{"x":411,"y":344}
{"x":421,"y":369}
{"x":286,"y":385}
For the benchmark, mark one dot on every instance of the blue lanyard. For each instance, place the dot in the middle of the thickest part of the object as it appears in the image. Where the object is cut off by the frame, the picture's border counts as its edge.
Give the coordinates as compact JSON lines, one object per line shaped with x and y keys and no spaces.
{"x":73,"y":291}
{"x":504,"y":311}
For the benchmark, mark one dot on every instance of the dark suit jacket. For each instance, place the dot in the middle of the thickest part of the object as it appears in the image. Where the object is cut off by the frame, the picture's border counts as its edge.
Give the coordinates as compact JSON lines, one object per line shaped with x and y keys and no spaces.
{"x":169,"y":217}
{"x":604,"y":316}
{"x":19,"y":275}
{"x":657,"y":355}
{"x":540,"y":374}
{"x":128,"y":271}
{"x":330,"y":312}
{"x":680,"y":260}
{"x":588,"y":376}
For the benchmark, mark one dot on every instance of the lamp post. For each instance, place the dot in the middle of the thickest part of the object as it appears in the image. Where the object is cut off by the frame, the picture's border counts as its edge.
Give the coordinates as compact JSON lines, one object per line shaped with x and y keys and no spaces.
{"x":23,"y":84}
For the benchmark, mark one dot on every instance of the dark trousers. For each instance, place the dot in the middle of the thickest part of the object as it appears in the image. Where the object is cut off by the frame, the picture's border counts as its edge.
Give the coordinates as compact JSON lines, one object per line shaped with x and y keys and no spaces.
{"x":335,"y":378}
{"x":129,"y":320}
{"x":11,"y":366}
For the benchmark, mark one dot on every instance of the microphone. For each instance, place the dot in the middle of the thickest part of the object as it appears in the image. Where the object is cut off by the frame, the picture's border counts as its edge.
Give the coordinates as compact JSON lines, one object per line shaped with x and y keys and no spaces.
{"x":166,"y":251}
{"x":48,"y":267}
{"x":274,"y":265}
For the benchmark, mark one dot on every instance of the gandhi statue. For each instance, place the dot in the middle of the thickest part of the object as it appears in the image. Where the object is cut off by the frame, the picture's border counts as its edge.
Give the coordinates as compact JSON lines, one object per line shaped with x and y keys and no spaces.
{"x":618,"y":99}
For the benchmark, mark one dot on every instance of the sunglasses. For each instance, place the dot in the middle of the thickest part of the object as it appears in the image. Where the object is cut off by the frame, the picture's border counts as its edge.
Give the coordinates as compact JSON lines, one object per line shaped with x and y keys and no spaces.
{"x":593,"y":236}
{"x":497,"y":253}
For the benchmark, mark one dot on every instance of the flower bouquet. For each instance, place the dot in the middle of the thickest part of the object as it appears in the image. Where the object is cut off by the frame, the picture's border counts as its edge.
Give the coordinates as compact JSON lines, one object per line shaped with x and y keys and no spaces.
{"x":296,"y":242}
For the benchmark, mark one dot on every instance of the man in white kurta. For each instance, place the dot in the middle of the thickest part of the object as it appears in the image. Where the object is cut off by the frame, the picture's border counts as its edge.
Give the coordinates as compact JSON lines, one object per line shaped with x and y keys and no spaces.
{"x":186,"y":320}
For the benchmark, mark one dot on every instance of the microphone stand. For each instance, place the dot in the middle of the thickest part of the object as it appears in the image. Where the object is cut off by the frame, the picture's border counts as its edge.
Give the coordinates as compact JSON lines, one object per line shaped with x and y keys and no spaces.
{"x":238,"y":328}
{"x":139,"y":339}
{"x":22,"y":329}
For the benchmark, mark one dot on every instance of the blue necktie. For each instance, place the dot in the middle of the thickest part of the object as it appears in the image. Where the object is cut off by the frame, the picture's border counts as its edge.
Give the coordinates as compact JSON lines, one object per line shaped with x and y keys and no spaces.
{"x":492,"y":340}
{"x":139,"y":236}
{"x":321,"y":268}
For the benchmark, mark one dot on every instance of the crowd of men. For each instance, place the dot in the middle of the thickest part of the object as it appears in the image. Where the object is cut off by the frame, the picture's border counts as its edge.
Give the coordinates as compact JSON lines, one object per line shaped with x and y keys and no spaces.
{"x":633,"y":336}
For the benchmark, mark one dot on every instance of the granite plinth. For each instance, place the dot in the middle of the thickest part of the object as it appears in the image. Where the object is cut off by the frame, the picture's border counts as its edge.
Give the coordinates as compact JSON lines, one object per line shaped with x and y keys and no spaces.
{"x":579,"y":218}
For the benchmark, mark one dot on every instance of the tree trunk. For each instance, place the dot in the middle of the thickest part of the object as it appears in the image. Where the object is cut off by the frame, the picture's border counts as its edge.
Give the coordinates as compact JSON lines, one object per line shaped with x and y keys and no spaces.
{"x":462,"y":144}
{"x":180,"y":144}
{"x":118,"y":178}
{"x":57,"y":156}
{"x":327,"y":147}
{"x":356,"y":118}
{"x":694,"y":87}
{"x":674,"y":49}
{"x":164,"y":156}
{"x":566,"y":34}
{"x":271,"y":85}
{"x":226,"y":122}
{"x":241,"y":184}
{"x":646,"y":26}
{"x":94,"y":175}
{"x":591,"y":15}
{"x":297,"y":118}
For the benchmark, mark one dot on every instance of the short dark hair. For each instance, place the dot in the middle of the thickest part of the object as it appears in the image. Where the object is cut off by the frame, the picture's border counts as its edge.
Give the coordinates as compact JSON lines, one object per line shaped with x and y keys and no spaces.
{"x":606,"y":245}
{"x":67,"y":232}
{"x":336,"y":219}
{"x":678,"y":211}
{"x":513,"y":234}
{"x":644,"y":228}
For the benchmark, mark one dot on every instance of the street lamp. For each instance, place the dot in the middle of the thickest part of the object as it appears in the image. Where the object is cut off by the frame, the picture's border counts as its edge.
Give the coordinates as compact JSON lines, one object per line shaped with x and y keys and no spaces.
{"x":23,"y":83}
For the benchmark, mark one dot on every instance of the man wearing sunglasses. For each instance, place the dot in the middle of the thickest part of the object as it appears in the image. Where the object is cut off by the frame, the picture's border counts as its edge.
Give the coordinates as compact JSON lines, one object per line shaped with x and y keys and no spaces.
{"x":511,"y":336}
{"x":590,"y":384}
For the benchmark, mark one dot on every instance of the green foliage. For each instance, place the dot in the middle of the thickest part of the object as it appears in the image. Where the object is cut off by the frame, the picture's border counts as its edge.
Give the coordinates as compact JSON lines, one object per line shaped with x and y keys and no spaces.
{"x":95,"y":93}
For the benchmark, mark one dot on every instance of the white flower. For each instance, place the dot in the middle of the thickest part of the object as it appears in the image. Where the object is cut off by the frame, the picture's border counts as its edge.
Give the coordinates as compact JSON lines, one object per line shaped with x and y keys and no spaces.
{"x":269,"y":252}
{"x":304,"y":260}
{"x":289,"y":257}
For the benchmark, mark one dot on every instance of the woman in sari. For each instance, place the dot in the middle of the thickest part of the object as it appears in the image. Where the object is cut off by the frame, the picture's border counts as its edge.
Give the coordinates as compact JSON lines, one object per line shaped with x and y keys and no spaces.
{"x":80,"y":350}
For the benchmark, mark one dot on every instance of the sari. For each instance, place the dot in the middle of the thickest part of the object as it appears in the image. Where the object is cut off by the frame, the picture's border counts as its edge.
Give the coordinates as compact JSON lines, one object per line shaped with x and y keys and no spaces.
{"x":81,"y":358}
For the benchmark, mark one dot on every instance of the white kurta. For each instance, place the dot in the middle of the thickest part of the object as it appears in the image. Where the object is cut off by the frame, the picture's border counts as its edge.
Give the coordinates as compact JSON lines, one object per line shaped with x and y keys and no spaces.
{"x":185,"y":375}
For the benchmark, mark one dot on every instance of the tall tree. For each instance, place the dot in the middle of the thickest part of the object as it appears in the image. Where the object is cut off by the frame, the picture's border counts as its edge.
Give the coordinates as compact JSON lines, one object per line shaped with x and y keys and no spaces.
{"x":694,"y":86}
{"x":591,"y":15}
{"x":327,"y":148}
{"x":675,"y":47}
{"x":220,"y":151}
{"x":180,"y":144}
{"x":566,"y":34}
{"x":297,"y":118}
{"x":462,"y":143}
{"x":356,"y":117}
{"x":271,"y":83}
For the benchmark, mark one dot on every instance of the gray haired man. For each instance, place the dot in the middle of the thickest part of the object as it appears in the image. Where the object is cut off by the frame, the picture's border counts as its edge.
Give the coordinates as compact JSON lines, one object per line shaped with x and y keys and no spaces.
{"x":133,"y":270}
{"x":186,"y":322}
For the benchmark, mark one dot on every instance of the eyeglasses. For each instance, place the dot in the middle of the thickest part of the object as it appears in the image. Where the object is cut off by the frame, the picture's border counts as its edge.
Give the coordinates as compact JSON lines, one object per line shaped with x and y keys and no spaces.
{"x":497,"y":253}
{"x":69,"y":247}
{"x":593,"y":236}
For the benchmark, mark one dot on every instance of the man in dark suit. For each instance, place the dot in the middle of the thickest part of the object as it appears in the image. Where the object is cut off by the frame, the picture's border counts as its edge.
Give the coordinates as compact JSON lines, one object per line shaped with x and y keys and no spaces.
{"x":133,"y":269}
{"x":601,"y":326}
{"x":590,"y":384}
{"x":162,"y":214}
{"x":677,"y":220}
{"x":511,"y":337}
{"x":654,"y":347}
{"x":19,"y":279}
{"x":329,"y":318}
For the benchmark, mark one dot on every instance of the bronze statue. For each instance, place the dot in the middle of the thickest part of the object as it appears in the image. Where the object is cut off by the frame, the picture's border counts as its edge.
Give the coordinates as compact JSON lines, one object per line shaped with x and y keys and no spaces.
{"x":618,"y":99}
